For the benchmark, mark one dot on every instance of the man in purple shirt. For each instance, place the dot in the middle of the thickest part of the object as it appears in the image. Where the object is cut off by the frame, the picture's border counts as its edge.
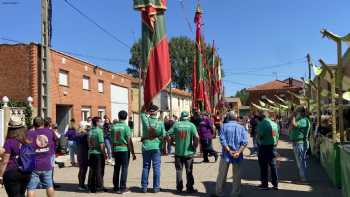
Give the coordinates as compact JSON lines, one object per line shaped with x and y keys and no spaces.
{"x":206,"y":133}
{"x":42,"y":140}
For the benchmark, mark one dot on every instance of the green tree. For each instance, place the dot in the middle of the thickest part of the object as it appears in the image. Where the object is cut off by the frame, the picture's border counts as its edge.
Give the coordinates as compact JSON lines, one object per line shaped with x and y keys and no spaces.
{"x":182,"y":53}
{"x":243,"y":95}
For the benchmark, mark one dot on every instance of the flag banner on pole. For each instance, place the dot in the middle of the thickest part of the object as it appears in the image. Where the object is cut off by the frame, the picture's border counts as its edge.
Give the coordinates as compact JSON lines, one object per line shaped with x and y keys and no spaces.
{"x":197,"y":80}
{"x":155,"y":48}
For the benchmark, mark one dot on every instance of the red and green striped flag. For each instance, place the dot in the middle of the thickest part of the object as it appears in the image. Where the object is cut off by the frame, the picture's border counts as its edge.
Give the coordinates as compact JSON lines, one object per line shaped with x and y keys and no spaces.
{"x":155,"y":49}
{"x":197,"y":74}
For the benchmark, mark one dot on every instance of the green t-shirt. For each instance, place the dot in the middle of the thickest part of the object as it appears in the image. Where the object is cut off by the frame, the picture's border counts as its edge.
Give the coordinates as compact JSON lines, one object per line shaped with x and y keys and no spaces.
{"x":300,"y":133}
{"x":120,"y":134}
{"x":184,"y":132}
{"x":95,"y":139}
{"x":152,"y":132}
{"x":268,"y":132}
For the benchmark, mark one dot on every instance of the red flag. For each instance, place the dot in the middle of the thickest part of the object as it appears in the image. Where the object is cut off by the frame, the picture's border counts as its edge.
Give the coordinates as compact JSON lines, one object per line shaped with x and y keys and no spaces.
{"x":197,"y":80}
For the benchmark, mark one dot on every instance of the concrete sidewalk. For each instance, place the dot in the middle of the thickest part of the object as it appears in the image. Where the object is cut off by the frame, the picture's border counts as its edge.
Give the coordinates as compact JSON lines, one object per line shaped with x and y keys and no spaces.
{"x":205,"y":178}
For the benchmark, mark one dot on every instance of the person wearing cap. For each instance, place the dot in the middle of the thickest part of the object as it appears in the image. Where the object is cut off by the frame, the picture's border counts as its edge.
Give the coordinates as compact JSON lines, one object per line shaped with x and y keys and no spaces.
{"x":301,"y":126}
{"x":233,"y":139}
{"x":267,"y":135}
{"x":14,"y":180}
{"x":153,"y":133}
{"x":186,"y":142}
{"x":121,"y":147}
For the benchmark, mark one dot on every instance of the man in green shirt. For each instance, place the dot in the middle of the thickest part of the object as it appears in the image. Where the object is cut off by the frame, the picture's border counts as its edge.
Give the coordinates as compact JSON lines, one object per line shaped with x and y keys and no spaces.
{"x":299,"y":135}
{"x":267,"y":135}
{"x":121,"y":145}
{"x":97,"y":156}
{"x":153,"y":133}
{"x":186,"y":140}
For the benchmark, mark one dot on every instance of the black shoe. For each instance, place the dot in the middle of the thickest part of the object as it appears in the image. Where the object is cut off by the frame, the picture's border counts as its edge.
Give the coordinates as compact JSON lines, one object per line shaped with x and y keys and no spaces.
{"x":275,"y":188}
{"x":56,"y":186}
{"x":263,"y":187}
{"x":124,"y":191}
{"x":157,"y":190}
{"x":144,"y":190}
{"x":191,"y":191}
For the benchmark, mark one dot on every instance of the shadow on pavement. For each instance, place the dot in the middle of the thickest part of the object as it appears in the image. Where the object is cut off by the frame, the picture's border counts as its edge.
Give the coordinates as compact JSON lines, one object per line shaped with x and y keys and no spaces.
{"x":318,"y":183}
{"x":172,"y":191}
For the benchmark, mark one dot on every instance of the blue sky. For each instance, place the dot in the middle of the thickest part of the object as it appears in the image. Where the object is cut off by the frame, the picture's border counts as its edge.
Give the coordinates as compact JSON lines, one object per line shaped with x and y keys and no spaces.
{"x":253,"y":37}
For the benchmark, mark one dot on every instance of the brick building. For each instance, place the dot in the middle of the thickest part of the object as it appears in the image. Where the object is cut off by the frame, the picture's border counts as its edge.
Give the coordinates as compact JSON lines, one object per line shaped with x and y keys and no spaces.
{"x":277,"y":87}
{"x":78,"y":89}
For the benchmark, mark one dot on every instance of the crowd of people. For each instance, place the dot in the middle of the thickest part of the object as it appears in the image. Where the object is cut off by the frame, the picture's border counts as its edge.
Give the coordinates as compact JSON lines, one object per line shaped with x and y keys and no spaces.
{"x":28,"y":156}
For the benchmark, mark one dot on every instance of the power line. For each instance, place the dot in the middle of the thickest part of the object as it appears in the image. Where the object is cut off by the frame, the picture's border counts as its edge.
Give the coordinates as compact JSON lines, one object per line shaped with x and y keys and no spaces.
{"x":182,"y":5}
{"x":97,"y":25}
{"x":253,"y":70}
{"x":292,"y":61}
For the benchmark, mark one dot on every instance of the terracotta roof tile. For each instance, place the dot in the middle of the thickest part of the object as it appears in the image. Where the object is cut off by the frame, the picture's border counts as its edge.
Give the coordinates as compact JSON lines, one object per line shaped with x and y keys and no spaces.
{"x":278,"y":84}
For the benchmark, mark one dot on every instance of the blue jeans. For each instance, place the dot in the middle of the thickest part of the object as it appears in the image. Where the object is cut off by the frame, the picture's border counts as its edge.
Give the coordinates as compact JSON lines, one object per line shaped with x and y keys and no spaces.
{"x":72,"y":147}
{"x":151,"y":157}
{"x":42,"y":177}
{"x":108,"y":147}
{"x":300,"y":150}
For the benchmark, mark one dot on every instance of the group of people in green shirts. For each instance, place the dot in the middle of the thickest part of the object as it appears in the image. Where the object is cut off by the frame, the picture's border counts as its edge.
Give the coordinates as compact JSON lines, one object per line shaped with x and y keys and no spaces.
{"x":183,"y":132}
{"x":186,"y":138}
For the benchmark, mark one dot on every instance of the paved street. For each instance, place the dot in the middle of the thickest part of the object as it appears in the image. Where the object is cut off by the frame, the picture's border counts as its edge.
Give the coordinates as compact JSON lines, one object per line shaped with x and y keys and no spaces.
{"x":205,"y":178}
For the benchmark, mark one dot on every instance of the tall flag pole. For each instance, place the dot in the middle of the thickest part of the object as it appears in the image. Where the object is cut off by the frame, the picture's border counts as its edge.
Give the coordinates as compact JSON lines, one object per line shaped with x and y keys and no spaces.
{"x":206,"y":78}
{"x":155,"y":49}
{"x":197,"y":75}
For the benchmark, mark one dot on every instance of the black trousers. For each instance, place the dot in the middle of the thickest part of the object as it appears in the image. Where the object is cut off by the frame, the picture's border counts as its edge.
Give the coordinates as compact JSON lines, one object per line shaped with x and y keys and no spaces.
{"x":121,"y":164}
{"x":96,"y":173}
{"x":83,"y":160}
{"x":207,"y":148}
{"x":267,"y":158}
{"x":15,"y":183}
{"x":180,"y":162}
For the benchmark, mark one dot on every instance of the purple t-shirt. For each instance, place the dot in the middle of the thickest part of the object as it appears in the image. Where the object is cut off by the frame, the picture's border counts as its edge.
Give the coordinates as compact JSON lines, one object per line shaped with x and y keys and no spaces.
{"x":43,"y":141}
{"x":205,"y":129}
{"x":71,"y":134}
{"x":12,"y":147}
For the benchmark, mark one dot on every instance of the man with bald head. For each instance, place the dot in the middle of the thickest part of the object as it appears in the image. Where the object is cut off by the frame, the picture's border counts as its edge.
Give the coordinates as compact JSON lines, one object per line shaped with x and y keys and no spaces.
{"x":267,"y":135}
{"x":233,"y":139}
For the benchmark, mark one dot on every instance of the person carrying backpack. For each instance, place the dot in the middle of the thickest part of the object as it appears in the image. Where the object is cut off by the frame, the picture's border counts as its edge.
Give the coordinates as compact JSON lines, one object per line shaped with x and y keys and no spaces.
{"x":43,"y":141}
{"x":153,"y":134}
{"x":12,"y":174}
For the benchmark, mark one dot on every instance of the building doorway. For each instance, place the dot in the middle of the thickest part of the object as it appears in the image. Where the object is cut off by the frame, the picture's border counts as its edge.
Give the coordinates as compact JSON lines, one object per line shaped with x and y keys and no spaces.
{"x":63,"y":116}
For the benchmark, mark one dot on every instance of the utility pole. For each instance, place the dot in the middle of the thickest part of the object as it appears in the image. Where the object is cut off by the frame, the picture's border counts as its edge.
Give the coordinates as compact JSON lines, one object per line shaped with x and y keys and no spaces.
{"x":140,"y":91}
{"x":309,"y":85}
{"x":171,"y":101}
{"x":339,"y":89}
{"x":45,"y":108}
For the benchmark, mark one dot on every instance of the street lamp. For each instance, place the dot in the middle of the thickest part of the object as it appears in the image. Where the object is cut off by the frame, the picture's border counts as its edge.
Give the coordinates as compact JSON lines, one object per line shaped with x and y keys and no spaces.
{"x":30,"y":100}
{"x":5,"y":100}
